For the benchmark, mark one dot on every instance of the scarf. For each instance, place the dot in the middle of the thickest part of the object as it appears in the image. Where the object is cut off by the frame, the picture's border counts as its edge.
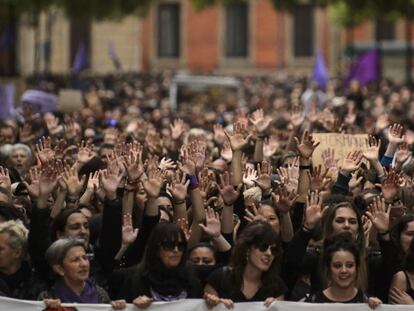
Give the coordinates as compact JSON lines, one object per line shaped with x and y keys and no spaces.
{"x":168,"y":282}
{"x":89,"y":293}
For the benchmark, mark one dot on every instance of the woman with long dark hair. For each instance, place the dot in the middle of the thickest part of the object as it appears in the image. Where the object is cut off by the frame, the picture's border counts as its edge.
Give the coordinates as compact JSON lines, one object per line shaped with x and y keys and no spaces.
{"x":253,"y":274}
{"x":163,"y":274}
{"x":341,"y":266}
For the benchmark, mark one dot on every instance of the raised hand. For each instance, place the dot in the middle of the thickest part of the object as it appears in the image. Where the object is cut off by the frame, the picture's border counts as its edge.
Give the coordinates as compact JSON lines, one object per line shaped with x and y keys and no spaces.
{"x":226,"y":153}
{"x":110,"y":182}
{"x":188,"y":165}
{"x":313,"y":211}
{"x":367,"y":224}
{"x":85,"y":152}
{"x":329,"y":161}
{"x":166,"y":164}
{"x":52,"y":125}
{"x":396,"y":134}
{"x":318,"y":179}
{"x":240,"y":137}
{"x":252,"y":214}
{"x":183,"y":224}
{"x":263,"y":180}
{"x":5,"y":181}
{"x":379,"y":214}
{"x":74,"y":185}
{"x":228,"y":192}
{"x":352,"y":162}
{"x":390,"y":185}
{"x":48,"y":179}
{"x":372,"y":151}
{"x":270,"y":147}
{"x":129,"y":234}
{"x":178,"y":188}
{"x":249,"y":177}
{"x":177,"y":129}
{"x":70,"y":129}
{"x":260,"y":121}
{"x":402,"y":153}
{"x":133,"y":167}
{"x":284,"y":200}
{"x":218,"y":134}
{"x":213,"y":226}
{"x":44,"y":150}
{"x":93,"y":181}
{"x":296,"y":117}
{"x":153,"y":184}
{"x":33,"y":187}
{"x":306,"y":146}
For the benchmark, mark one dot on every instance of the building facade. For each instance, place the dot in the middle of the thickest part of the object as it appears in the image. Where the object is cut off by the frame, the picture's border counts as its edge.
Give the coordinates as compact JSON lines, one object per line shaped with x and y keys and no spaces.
{"x":244,"y":37}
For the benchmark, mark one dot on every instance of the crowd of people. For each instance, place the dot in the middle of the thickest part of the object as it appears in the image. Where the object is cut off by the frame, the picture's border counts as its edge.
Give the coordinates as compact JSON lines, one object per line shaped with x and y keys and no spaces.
{"x":129,"y":201}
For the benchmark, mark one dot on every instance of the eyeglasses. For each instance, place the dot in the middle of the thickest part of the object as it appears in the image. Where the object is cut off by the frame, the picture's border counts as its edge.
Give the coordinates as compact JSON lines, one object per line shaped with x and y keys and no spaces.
{"x":265,"y":247}
{"x":171,"y":245}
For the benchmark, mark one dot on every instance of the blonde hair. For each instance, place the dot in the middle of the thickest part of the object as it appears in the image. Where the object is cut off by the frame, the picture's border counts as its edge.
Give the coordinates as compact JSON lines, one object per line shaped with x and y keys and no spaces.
{"x":254,"y":193}
{"x":18,"y":234}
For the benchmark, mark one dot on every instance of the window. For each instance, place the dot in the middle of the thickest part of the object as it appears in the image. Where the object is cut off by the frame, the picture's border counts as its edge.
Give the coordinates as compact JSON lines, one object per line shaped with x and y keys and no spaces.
{"x":237,"y":27}
{"x":80,"y":39}
{"x":385,"y":30}
{"x":169,"y":30}
{"x":303,"y":28}
{"x":8,"y":38}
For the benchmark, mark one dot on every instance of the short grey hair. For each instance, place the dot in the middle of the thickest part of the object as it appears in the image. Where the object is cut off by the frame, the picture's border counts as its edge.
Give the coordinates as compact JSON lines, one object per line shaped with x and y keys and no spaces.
{"x":56,"y":252}
{"x":23,"y":147}
{"x":18,"y":235}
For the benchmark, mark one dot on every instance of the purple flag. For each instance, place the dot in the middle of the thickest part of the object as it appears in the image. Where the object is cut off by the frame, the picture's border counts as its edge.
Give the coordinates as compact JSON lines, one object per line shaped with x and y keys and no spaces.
{"x":320,"y":72}
{"x":40,"y":101}
{"x":365,"y":68}
{"x":81,"y":60}
{"x":7,"y":110}
{"x":114,"y":56}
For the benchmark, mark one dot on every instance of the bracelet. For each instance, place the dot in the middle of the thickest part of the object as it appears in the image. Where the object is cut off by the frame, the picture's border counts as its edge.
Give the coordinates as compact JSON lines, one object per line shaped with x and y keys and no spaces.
{"x":72,"y":198}
{"x":305,"y":167}
{"x":179,"y":202}
{"x":306,"y":229}
{"x":384,"y":233}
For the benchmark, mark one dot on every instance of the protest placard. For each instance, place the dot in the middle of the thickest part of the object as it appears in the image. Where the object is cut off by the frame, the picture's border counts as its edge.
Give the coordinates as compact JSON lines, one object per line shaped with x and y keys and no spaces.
{"x":341,"y":143}
{"x":70,"y":100}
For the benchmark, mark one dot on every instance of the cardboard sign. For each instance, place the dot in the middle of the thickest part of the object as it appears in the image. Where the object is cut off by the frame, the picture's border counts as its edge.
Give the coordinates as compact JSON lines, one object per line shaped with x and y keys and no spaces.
{"x":341,"y":143}
{"x":70,"y":100}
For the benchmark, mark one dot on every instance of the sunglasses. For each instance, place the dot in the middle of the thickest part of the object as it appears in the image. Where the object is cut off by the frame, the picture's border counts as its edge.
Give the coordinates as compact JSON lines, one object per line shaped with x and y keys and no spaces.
{"x":265,"y":247}
{"x":171,"y":245}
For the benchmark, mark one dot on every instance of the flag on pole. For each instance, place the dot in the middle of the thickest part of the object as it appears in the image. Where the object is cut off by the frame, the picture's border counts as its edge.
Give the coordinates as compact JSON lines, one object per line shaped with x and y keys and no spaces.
{"x":114,"y":56}
{"x":81,"y":60}
{"x":320,"y":72}
{"x":365,"y":68}
{"x":7,"y":109}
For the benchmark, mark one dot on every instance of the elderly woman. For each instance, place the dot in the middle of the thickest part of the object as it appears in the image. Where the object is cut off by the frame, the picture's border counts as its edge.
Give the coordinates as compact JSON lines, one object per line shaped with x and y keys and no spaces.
{"x":16,"y":276}
{"x":20,"y":159}
{"x":67,"y":257}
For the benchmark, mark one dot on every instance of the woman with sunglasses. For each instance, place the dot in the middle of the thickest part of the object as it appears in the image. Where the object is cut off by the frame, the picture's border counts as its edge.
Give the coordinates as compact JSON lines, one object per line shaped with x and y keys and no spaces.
{"x":163,"y":274}
{"x":253,"y":274}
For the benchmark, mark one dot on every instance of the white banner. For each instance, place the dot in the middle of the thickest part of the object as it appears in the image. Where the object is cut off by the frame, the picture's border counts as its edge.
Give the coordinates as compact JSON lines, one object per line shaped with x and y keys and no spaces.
{"x":199,"y":305}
